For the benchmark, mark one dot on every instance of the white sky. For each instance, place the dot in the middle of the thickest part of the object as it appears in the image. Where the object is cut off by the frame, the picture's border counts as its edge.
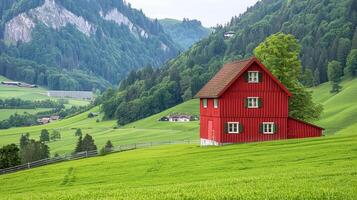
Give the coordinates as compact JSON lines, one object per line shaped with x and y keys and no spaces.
{"x":209,"y":12}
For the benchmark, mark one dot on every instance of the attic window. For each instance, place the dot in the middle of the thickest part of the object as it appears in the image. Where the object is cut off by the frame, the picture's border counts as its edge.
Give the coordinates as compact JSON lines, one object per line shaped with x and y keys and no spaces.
{"x":215,"y":102}
{"x":253,"y":77}
{"x":204,"y":103}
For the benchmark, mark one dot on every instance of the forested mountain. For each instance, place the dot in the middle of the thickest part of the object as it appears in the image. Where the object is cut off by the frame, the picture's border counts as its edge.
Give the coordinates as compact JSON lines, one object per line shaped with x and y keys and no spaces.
{"x":78,"y":44}
{"x":326,"y":30}
{"x":185,"y":33}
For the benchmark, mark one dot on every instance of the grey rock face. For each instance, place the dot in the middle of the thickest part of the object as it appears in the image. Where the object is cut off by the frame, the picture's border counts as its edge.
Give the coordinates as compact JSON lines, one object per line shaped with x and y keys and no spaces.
{"x":51,"y":14}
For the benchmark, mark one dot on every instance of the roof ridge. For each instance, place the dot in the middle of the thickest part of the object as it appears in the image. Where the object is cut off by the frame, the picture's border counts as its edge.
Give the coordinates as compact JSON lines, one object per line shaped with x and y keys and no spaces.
{"x":240,"y":61}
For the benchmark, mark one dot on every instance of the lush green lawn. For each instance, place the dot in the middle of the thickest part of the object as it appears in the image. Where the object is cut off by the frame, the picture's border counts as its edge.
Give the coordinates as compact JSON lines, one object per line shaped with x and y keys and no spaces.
{"x":147,"y":130}
{"x":5,"y":113}
{"x":314,"y":168}
{"x":340,"y":110}
{"x":321,"y":168}
{"x":28,"y":94}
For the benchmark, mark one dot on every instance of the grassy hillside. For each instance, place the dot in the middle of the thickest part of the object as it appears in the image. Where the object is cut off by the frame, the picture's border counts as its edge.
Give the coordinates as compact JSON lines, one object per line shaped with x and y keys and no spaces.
{"x":146,"y":130}
{"x":28,"y":94}
{"x":322,"y":168}
{"x":340,"y":110}
{"x":340,"y":117}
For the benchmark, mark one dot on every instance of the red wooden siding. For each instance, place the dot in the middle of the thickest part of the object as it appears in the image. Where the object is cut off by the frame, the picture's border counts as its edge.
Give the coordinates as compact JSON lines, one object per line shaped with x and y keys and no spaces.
{"x":232,"y":101}
{"x":206,"y":133}
{"x":251,"y":130}
{"x":231,"y":107}
{"x":299,"y":129}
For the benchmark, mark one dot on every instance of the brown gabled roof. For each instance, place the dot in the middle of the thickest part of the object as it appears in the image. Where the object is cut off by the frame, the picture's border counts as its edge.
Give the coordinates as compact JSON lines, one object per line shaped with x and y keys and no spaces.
{"x":228,"y":74}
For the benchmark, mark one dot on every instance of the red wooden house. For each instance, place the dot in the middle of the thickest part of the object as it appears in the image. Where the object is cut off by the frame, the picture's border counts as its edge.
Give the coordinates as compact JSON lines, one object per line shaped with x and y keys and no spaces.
{"x":244,"y":102}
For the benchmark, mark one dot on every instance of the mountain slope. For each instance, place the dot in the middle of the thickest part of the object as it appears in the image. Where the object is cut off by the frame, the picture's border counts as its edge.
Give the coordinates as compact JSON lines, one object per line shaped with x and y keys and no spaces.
{"x":185,"y":33}
{"x":84,"y":44}
{"x":325,"y":31}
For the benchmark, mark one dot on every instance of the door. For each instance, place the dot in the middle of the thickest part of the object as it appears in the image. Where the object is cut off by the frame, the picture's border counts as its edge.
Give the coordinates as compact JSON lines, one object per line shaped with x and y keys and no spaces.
{"x":210,"y":130}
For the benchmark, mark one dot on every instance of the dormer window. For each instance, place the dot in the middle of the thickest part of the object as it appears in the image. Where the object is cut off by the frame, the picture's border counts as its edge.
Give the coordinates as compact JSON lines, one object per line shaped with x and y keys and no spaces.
{"x":253,"y":77}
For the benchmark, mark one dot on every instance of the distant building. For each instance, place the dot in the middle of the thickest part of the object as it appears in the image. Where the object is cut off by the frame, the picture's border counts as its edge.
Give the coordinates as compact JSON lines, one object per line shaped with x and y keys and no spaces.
{"x":48,"y":119}
{"x":178,"y":118}
{"x":85,"y":95}
{"x":18,"y":84}
{"x":229,"y":34}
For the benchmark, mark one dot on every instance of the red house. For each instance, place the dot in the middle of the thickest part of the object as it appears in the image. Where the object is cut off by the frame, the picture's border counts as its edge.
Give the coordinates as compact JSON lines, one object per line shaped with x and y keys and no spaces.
{"x":244,"y":102}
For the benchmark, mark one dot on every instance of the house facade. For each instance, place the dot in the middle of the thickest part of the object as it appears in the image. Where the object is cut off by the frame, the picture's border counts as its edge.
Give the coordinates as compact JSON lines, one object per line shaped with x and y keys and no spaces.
{"x":244,"y":102}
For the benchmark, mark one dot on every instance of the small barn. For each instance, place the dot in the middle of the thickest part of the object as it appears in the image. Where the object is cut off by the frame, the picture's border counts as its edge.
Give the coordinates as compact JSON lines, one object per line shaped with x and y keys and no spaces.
{"x":179,"y":118}
{"x":244,"y":102}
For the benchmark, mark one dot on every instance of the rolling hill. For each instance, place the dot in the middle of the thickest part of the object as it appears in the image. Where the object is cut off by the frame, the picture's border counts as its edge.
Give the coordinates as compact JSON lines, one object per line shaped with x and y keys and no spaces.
{"x":29,"y":94}
{"x":339,"y":117}
{"x":319,"y":168}
{"x":184,"y":33}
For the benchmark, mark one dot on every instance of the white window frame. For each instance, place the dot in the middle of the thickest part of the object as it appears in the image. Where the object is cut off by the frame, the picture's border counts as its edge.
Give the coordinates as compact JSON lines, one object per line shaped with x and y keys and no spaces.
{"x":204,"y":103}
{"x":253,"y":76}
{"x":268,"y":128}
{"x":215,"y":103}
{"x":236,"y":124}
{"x":253,"y":104}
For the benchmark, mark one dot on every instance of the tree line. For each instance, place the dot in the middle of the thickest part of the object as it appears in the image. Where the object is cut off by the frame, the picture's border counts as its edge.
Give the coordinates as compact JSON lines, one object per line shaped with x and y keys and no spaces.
{"x":30,"y":150}
{"x":17,"y":103}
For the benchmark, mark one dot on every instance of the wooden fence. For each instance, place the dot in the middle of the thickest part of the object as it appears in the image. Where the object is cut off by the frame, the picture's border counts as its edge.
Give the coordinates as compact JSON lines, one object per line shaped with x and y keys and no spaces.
{"x":88,"y":154}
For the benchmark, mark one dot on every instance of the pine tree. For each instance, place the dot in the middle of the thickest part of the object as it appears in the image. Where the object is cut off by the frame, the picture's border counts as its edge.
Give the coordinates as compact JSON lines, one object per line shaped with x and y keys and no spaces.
{"x":78,"y":133}
{"x":334,"y":74}
{"x":109,"y":146}
{"x":24,"y":140}
{"x":354,"y":40}
{"x":351,"y":65}
{"x":79,"y":147}
{"x":317,"y":77}
{"x":88,"y":143}
{"x":45,"y":135}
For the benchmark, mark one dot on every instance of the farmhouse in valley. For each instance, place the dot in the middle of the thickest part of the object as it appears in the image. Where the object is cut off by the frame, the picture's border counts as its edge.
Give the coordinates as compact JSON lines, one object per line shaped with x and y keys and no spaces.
{"x":244,"y":102}
{"x":176,"y":117}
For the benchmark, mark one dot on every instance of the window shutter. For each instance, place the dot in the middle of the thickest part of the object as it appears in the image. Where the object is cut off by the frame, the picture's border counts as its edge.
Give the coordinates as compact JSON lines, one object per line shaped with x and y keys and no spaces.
{"x":260,"y":77}
{"x":240,"y":128}
{"x":275,"y":128}
{"x":225,"y":128}
{"x":259,"y":102}
{"x":246,"y":102}
{"x":261,"y":128}
{"x":246,"y":77}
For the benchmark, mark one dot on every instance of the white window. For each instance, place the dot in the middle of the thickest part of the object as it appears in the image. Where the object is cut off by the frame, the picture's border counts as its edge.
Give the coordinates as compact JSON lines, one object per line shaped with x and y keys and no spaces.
{"x":204,"y":103}
{"x":233,"y":127}
{"x":215,"y":102}
{"x":253,"y":102}
{"x":253,"y":77}
{"x":268,"y":128}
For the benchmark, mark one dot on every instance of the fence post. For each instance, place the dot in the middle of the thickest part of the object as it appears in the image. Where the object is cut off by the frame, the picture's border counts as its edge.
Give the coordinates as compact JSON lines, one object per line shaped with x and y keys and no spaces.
{"x":28,"y":165}
{"x":86,"y":154}
{"x":135,"y":146}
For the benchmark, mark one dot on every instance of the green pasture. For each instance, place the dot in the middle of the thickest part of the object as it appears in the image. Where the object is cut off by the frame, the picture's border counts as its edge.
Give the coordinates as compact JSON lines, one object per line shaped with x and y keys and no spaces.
{"x":319,"y":168}
{"x":146,"y":130}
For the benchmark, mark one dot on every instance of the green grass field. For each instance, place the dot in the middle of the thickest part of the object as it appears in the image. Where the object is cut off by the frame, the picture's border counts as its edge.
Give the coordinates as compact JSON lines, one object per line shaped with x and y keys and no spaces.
{"x":320,"y":168}
{"x":314,"y":168}
{"x":146,"y":130}
{"x":28,"y":94}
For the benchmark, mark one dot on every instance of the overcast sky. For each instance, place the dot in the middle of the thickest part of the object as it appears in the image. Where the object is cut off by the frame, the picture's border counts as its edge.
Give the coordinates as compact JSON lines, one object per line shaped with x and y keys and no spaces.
{"x":209,"y":12}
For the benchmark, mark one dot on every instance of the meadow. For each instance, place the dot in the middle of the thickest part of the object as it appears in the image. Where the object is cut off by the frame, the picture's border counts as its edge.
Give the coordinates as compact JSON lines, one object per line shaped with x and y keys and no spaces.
{"x":319,"y":168}
{"x":339,"y":117}
{"x":28,"y":94}
{"x":313,"y":168}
